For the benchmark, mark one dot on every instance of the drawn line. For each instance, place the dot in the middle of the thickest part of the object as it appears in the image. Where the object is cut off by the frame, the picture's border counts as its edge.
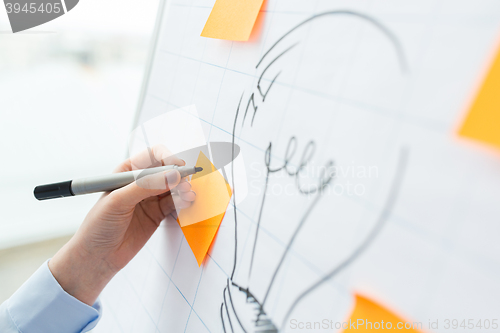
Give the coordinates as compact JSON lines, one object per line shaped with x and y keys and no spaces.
{"x":299,"y":227}
{"x":234,"y":191}
{"x":258,"y":224}
{"x":386,"y":211}
{"x":232,"y":305}
{"x":227,"y":311}
{"x":373,"y":21}
{"x":251,"y":99}
{"x":267,"y":67}
{"x":222,"y":317}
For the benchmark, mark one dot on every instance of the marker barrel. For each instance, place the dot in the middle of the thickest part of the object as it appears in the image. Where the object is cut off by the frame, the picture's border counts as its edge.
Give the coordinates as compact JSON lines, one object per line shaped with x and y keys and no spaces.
{"x":103,"y":183}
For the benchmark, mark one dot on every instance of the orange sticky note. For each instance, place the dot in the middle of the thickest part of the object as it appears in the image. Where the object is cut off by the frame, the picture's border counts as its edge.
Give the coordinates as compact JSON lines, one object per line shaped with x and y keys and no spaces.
{"x":483,"y":120}
{"x":212,"y":195}
{"x":232,"y":19}
{"x":201,"y":235}
{"x":369,"y":316}
{"x":201,"y":221}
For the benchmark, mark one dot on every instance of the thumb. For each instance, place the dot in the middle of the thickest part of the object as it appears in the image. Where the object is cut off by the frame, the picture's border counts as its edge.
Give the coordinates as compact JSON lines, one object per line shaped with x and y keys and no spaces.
{"x":147,"y":186}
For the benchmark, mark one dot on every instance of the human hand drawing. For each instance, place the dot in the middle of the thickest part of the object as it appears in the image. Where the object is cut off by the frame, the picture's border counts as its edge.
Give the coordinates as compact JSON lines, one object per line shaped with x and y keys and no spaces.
{"x":119,"y":225}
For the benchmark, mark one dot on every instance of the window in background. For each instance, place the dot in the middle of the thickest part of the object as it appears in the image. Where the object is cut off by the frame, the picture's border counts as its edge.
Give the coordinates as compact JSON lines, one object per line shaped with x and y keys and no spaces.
{"x":68,"y":95}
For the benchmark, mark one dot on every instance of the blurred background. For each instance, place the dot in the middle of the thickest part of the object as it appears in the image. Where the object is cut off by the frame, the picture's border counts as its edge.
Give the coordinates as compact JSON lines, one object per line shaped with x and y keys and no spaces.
{"x":68,"y":95}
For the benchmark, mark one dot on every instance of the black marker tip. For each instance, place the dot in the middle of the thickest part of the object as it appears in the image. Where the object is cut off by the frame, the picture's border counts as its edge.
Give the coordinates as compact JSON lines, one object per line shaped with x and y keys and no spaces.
{"x":198,"y":169}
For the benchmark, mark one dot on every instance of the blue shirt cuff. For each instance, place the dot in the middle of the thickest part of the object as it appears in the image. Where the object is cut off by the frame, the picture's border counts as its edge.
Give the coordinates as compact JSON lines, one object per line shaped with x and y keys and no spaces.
{"x":41,"y":305}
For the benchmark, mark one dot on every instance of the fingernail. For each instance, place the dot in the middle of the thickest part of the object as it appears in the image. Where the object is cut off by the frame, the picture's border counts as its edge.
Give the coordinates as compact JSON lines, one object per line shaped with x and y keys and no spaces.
{"x":173,"y":177}
{"x":194,"y":193}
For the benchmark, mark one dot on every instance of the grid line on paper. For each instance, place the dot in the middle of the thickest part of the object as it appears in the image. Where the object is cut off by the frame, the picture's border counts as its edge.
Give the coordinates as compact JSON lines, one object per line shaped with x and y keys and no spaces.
{"x":139,"y":298}
{"x":426,"y":123}
{"x":115,"y":318}
{"x":218,"y":95}
{"x":169,"y":281}
{"x":175,"y":285}
{"x":194,"y":300}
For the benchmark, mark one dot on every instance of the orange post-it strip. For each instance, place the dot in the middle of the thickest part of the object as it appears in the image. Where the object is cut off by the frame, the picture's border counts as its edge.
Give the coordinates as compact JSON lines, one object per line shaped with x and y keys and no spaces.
{"x":368,"y":316}
{"x":211,"y":189}
{"x":212,"y":194}
{"x":483,"y":120}
{"x":232,"y":19}
{"x":201,"y":235}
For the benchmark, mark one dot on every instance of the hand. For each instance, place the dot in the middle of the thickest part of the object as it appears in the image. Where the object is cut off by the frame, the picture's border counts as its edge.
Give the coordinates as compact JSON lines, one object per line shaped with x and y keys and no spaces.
{"x":119,"y":225}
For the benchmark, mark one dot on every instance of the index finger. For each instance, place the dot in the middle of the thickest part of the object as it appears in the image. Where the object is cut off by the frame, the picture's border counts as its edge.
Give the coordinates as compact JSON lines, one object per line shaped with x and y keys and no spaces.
{"x":149,"y":158}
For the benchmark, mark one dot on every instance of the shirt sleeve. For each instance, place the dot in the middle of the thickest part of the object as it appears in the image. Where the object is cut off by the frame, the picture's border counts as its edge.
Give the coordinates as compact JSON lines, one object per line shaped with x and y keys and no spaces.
{"x":41,"y":305}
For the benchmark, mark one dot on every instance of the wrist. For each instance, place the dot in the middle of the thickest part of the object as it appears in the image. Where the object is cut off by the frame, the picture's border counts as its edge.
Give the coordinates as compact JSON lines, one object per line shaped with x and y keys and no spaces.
{"x":79,"y":273}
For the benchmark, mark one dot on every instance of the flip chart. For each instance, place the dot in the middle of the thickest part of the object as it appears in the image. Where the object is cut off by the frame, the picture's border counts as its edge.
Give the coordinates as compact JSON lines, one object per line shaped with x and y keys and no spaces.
{"x":345,"y":114}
